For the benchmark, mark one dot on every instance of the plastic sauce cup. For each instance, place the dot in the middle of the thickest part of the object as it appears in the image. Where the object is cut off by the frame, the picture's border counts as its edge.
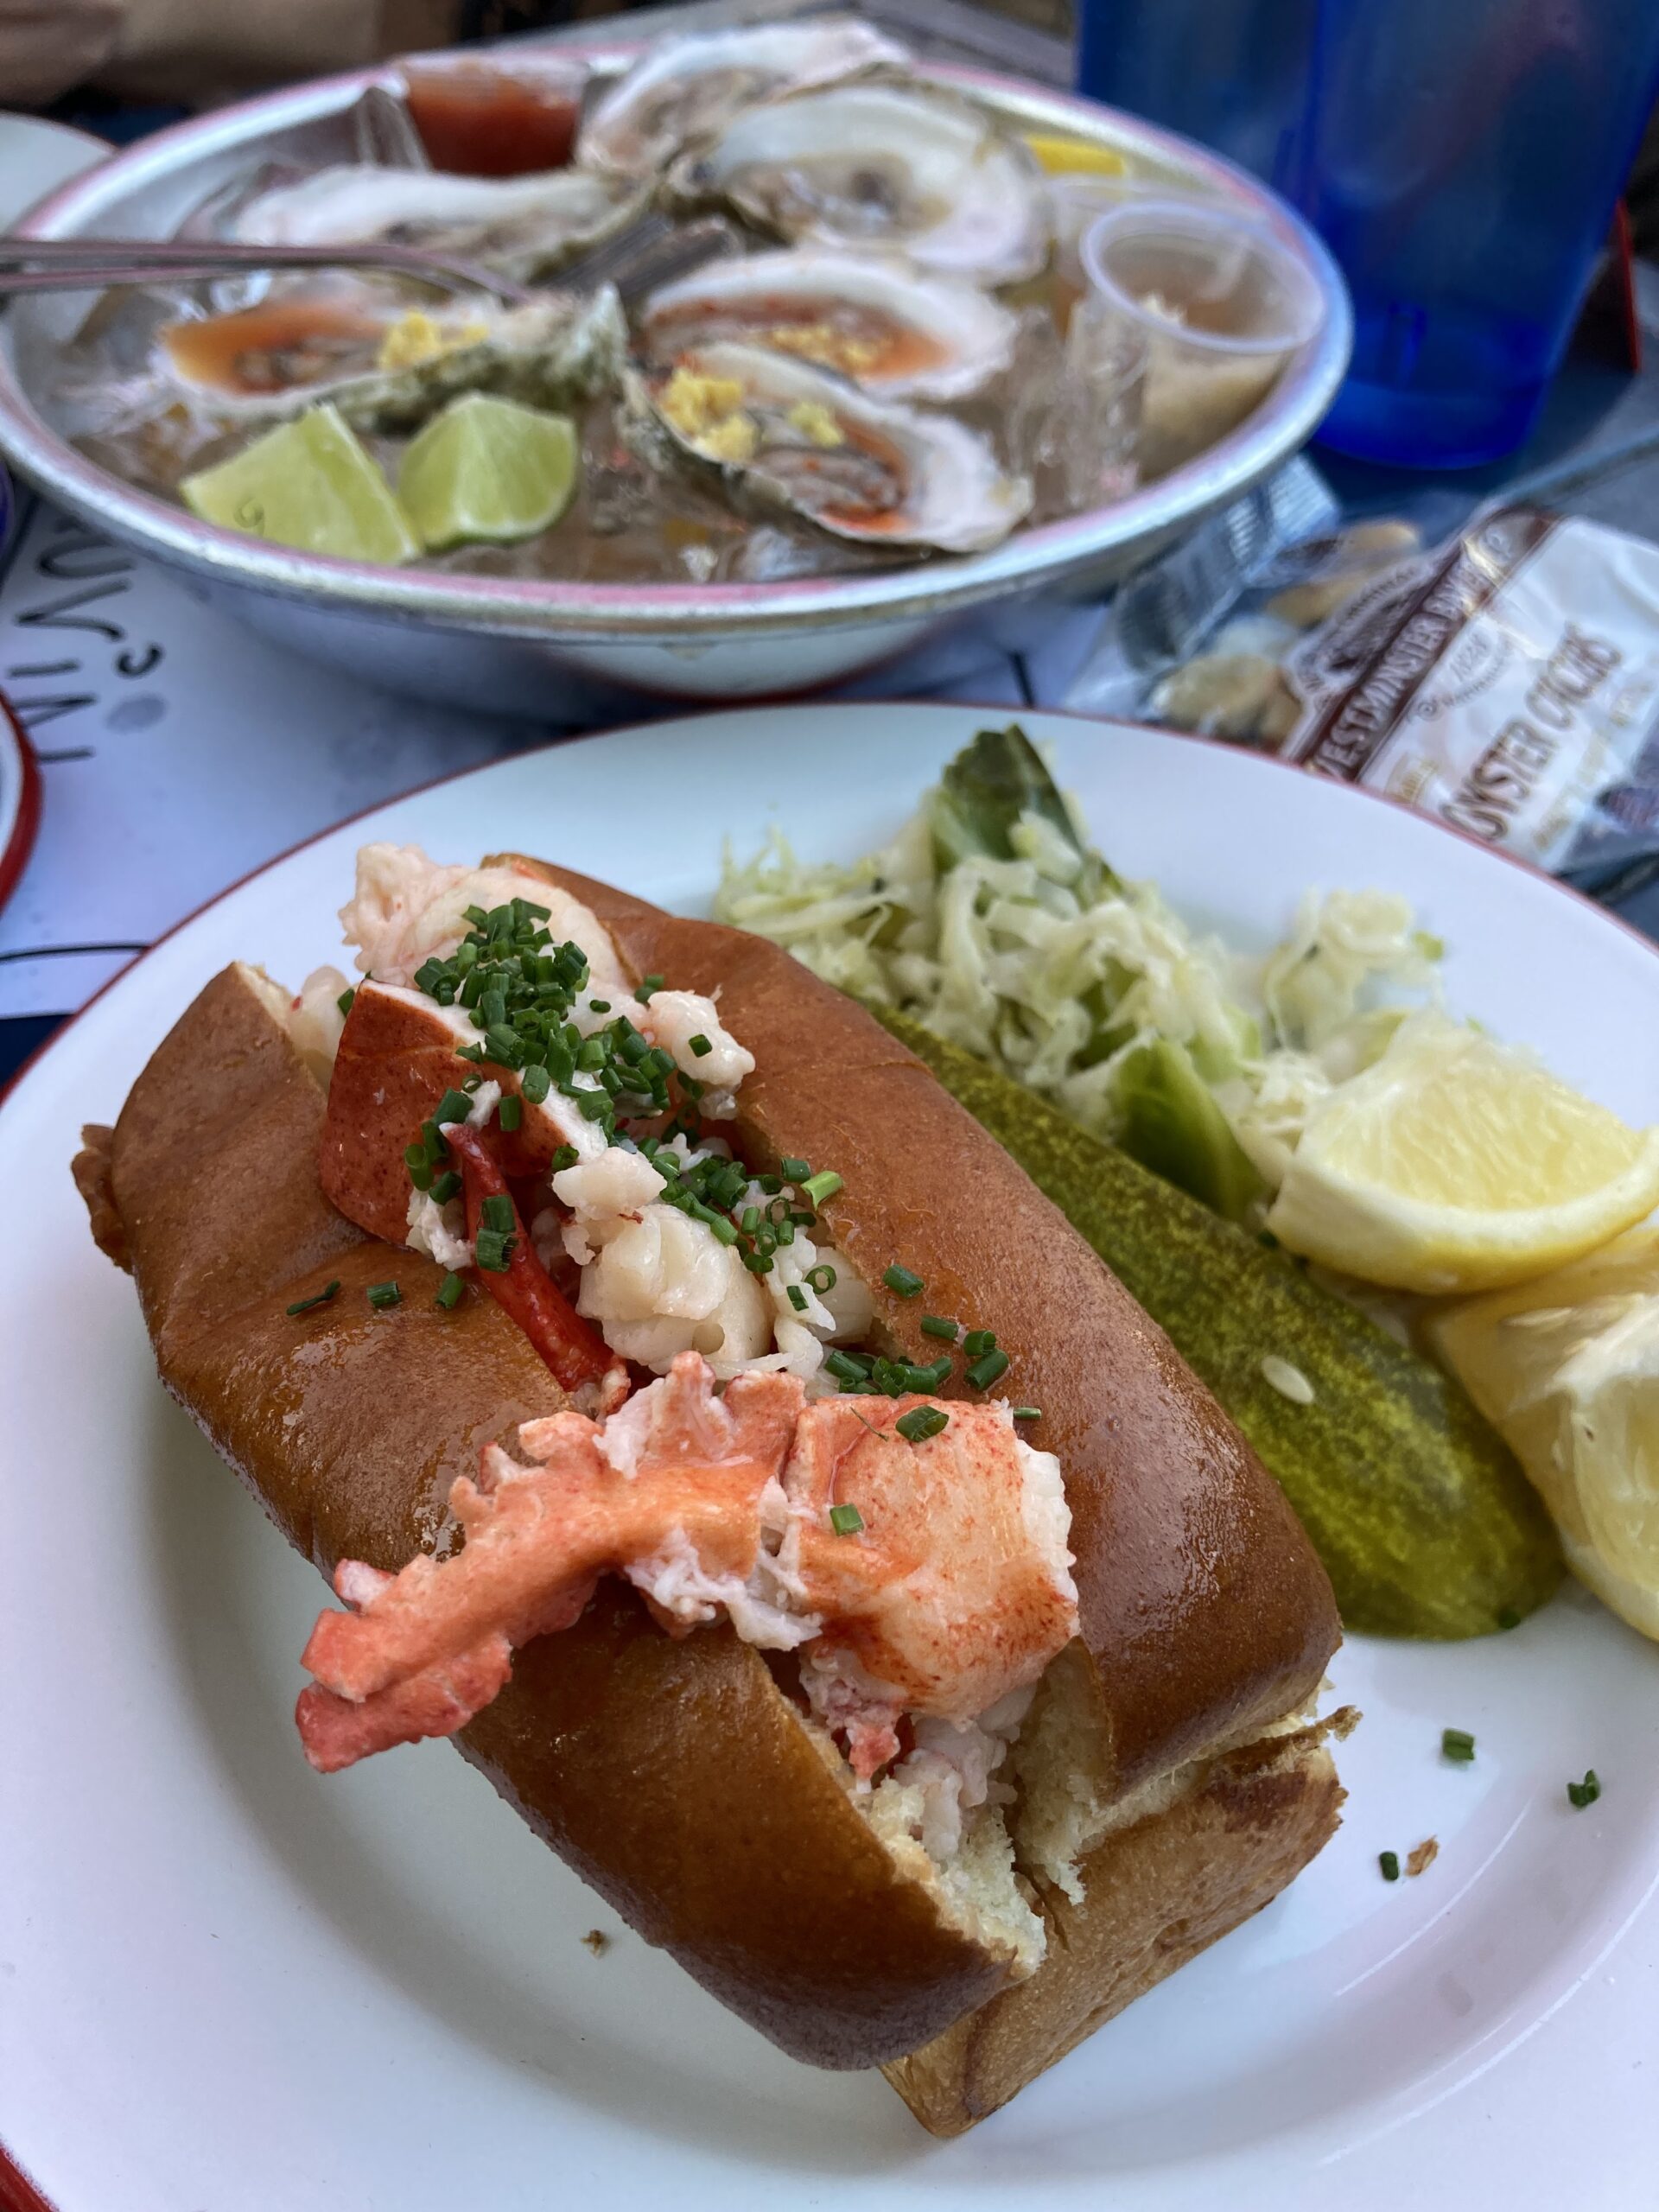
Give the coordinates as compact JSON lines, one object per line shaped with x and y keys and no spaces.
{"x":1213,"y":304}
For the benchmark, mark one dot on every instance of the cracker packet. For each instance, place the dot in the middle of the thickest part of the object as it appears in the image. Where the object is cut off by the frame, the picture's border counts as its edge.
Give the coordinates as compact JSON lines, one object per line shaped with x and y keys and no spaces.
{"x":1505,"y":682}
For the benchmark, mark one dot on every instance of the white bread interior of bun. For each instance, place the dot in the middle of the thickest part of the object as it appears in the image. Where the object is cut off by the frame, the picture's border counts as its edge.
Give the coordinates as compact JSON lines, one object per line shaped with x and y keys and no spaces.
{"x":1061,"y":1764}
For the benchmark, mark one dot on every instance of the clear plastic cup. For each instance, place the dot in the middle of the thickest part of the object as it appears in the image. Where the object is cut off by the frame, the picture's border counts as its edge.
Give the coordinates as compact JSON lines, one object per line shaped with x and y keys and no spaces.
{"x":1213,"y":305}
{"x":1077,"y":201}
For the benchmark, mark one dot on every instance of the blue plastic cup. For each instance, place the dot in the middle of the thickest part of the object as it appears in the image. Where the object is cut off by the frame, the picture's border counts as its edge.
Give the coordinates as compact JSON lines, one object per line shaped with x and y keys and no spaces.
{"x":1462,"y":159}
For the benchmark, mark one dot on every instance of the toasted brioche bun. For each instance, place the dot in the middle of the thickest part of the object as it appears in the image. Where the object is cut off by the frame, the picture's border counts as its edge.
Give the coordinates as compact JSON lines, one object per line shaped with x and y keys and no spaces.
{"x":677,"y":1777}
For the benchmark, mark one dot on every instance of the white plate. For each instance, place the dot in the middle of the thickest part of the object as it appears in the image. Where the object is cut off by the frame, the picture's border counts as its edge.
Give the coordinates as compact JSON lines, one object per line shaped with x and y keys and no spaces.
{"x":226,"y":1982}
{"x":36,"y":156}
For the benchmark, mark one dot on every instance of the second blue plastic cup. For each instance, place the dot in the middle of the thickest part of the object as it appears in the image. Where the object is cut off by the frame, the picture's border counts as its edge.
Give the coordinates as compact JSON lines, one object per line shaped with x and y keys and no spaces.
{"x":1462,"y":160}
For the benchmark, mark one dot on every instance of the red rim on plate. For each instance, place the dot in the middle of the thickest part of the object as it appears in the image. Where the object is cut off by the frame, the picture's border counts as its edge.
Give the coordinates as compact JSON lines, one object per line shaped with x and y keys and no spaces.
{"x":20,"y":800}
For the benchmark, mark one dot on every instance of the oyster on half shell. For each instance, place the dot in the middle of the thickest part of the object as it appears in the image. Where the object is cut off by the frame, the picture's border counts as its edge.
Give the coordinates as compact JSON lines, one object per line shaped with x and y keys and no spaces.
{"x":881,"y":166}
{"x":684,"y":90}
{"x":891,"y":327}
{"x":866,"y":469}
{"x":525,"y":226}
{"x":389,"y":368}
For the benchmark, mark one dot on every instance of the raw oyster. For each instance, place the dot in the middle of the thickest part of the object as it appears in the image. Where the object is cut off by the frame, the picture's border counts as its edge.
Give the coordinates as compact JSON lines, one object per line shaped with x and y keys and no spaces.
{"x":863,"y":469}
{"x":390,"y":369}
{"x":890,"y":327}
{"x":684,"y":90}
{"x":525,"y":226}
{"x":881,"y":165}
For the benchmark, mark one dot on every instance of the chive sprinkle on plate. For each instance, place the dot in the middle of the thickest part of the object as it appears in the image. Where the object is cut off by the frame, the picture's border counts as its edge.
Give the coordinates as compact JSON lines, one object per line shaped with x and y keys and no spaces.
{"x":1458,"y":1746}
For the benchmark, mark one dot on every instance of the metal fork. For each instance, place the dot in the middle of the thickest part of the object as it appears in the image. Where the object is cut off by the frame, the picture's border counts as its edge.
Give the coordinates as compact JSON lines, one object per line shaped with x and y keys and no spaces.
{"x":30,"y":265}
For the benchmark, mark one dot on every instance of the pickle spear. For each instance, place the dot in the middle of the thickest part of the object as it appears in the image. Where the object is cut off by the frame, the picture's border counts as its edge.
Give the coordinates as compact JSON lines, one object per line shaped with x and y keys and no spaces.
{"x":1424,"y":1523}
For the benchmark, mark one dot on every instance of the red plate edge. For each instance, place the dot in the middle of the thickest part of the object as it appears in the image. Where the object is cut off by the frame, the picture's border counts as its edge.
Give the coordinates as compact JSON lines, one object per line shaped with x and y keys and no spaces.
{"x":20,"y":843}
{"x":17,"y":2192}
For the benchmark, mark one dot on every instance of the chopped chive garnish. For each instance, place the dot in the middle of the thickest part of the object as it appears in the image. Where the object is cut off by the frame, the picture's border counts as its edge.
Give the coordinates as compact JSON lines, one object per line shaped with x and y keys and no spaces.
{"x":1026,"y":1413}
{"x":454,"y":1106}
{"x":984,"y":1372}
{"x":598,"y":1006}
{"x":846,"y":1367}
{"x":383,"y":1294}
{"x":566,"y":1156}
{"x":496,"y":1213}
{"x":901,"y":1282}
{"x":1390,"y":1863}
{"x":846,"y":1519}
{"x":536,"y":1083}
{"x":978,"y":1341}
{"x":759,"y":1263}
{"x":344,"y":1002}
{"x":1579,"y":1794}
{"x":934,"y":1324}
{"x":798,"y":1297}
{"x":420,"y":1174}
{"x":770,"y":1184}
{"x":448,"y":1292}
{"x":647,"y":985}
{"x":330,"y":1290}
{"x":926,"y":1380}
{"x":491,"y":1248}
{"x":415,"y":1155}
{"x":749,"y":1220}
{"x":512,"y":1111}
{"x":822,"y":1186}
{"x":822,"y":1277}
{"x":446,"y":1186}
{"x":701,"y":1046}
{"x":921,"y":1422}
{"x":794,"y":1171}
{"x":1457,"y":1744}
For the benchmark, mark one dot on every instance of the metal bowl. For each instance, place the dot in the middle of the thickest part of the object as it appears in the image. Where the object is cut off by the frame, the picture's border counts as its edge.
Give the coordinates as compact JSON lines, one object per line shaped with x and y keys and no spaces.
{"x":555,"y":649}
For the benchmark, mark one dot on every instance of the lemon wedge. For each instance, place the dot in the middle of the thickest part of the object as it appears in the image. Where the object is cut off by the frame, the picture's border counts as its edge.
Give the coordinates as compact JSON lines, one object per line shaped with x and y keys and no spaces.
{"x":1458,"y":1164}
{"x":310,"y":485}
{"x":1075,"y":156}
{"x":1566,"y":1368}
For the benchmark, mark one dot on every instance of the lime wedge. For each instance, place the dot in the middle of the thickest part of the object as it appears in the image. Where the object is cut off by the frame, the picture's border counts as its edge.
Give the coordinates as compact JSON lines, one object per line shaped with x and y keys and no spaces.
{"x":307,"y":484}
{"x":487,"y":468}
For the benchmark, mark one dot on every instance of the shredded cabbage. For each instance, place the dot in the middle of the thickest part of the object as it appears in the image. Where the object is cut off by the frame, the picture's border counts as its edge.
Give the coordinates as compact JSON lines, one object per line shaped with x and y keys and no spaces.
{"x":1055,"y":971}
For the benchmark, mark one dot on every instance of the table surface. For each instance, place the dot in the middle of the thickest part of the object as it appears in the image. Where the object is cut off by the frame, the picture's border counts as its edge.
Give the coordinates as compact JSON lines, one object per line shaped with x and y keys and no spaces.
{"x":178,"y":751}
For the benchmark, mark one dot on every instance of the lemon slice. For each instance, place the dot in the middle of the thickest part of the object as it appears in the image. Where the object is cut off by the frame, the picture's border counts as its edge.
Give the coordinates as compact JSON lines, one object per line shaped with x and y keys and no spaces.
{"x":1566,"y":1368}
{"x":307,"y":484}
{"x":1456,"y":1163}
{"x":488,"y":469}
{"x":1075,"y":156}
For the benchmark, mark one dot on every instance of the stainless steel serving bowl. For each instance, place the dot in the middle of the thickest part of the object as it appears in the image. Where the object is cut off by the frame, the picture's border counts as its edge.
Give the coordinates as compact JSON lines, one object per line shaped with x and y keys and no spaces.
{"x":556,"y":650}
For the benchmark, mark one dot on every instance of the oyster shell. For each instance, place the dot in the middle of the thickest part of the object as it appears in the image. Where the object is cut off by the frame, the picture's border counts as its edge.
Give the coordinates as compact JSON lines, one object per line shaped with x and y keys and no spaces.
{"x":388,"y":368}
{"x":686,"y":89}
{"x":883,"y":166}
{"x":526,"y":226}
{"x":863,"y":469}
{"x":891,"y":327}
